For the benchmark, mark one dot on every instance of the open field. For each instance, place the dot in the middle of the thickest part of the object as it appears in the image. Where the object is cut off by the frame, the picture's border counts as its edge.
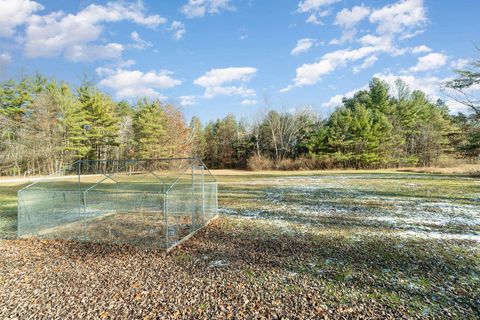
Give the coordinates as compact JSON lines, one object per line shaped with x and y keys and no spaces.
{"x":375,"y":244}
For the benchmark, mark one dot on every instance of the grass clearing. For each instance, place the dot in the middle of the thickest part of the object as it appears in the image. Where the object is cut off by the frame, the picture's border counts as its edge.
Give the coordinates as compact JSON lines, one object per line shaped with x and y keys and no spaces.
{"x":374,"y":244}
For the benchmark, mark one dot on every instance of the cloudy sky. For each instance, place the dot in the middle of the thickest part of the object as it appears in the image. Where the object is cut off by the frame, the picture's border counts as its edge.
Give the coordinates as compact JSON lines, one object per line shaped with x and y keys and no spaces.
{"x":214,"y":57}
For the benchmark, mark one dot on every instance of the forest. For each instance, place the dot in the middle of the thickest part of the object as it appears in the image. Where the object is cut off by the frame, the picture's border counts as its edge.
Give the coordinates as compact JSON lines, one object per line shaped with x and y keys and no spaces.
{"x":47,"y":124}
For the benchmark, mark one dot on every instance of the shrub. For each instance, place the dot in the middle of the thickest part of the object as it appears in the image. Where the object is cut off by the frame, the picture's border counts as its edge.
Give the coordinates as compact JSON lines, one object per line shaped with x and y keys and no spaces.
{"x":259,"y":163}
{"x":306,"y":162}
{"x":287,"y":164}
{"x":474,"y":173}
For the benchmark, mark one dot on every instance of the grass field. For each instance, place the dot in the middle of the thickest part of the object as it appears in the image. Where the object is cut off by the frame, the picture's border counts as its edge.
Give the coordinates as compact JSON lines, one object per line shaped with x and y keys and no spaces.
{"x":373,"y":244}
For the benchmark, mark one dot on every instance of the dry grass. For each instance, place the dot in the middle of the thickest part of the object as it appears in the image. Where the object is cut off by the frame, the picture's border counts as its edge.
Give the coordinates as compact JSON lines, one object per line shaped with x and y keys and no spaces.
{"x":464,"y":169}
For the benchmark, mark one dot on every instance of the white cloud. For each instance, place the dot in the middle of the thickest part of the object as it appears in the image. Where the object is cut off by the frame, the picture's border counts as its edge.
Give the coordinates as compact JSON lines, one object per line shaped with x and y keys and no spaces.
{"x":431,"y":86}
{"x":249,"y":102}
{"x":218,"y":81}
{"x":412,"y":34}
{"x":139,"y":42}
{"x":421,"y":49}
{"x":135,"y":83}
{"x":198,"y":8}
{"x":314,"y":17}
{"x":178,"y":30}
{"x":94,"y":52}
{"x":396,"y":18}
{"x":303,"y":45}
{"x":336,"y":100}
{"x":456,"y":107}
{"x":460,"y":64}
{"x":367,"y":63}
{"x":14,"y":13}
{"x":347,"y":35}
{"x":125,"y":63}
{"x":187,"y":100}
{"x":313,"y":5}
{"x":384,"y":43}
{"x":471,"y":93}
{"x":431,"y":61}
{"x":370,"y":40}
{"x":5,"y":59}
{"x":218,"y":77}
{"x":309,"y":74}
{"x":211,"y":92}
{"x":349,"y":18}
{"x":73,"y":34}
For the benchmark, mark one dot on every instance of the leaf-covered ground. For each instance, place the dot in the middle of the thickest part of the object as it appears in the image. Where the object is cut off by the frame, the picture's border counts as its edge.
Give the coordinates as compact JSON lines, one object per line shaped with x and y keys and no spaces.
{"x":370,"y":245}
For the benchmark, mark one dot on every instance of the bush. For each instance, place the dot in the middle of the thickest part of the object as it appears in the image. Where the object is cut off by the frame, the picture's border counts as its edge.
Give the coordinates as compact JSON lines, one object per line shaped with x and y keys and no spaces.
{"x":259,"y":163}
{"x":474,"y":173}
{"x":287,"y":164}
{"x":307,"y":162}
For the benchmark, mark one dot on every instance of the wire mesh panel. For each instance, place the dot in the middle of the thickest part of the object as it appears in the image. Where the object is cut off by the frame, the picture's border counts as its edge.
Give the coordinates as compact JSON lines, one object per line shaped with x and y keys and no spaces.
{"x":198,"y":197}
{"x":210,"y":200}
{"x":189,"y":206}
{"x":50,"y":214}
{"x":179,"y":217}
{"x":121,"y":217}
{"x":151,"y":203}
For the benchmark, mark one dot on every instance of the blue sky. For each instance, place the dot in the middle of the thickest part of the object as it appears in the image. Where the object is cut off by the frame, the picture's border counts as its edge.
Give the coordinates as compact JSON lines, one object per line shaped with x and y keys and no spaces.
{"x":214,"y":57}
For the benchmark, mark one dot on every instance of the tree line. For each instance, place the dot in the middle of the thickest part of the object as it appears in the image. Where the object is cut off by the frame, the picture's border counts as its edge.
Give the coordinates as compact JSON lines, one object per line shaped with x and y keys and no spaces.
{"x":46,"y":124}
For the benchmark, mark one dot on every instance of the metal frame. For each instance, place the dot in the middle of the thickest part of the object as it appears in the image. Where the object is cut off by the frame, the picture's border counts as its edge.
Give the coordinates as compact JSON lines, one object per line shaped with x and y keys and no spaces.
{"x":168,"y":191}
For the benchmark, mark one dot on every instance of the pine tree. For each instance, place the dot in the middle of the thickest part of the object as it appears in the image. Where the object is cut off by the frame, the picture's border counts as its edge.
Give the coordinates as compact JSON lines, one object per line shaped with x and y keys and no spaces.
{"x":379,"y":97}
{"x":73,"y":119}
{"x":102,"y":128}
{"x":149,"y":130}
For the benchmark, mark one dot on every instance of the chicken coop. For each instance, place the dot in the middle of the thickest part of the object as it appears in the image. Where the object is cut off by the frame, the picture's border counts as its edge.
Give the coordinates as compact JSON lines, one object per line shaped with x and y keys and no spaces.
{"x":154,"y":203}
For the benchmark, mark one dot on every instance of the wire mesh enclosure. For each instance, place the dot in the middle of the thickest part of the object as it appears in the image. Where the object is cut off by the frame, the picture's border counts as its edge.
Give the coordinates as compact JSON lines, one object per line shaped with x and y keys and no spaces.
{"x":155,"y":203}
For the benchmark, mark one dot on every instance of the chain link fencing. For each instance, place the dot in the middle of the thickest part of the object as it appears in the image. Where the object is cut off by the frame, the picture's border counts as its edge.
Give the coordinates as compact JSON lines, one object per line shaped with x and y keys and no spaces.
{"x":154,"y":203}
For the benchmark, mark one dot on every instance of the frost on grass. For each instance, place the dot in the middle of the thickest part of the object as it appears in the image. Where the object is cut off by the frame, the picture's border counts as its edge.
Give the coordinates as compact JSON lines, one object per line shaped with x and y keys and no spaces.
{"x":408,"y":205}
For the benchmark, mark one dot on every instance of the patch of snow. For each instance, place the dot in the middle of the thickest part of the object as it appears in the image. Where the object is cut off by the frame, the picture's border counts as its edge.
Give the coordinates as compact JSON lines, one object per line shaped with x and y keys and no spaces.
{"x":218,"y":264}
{"x":297,"y":203}
{"x":226,"y":210}
{"x":439,"y":235}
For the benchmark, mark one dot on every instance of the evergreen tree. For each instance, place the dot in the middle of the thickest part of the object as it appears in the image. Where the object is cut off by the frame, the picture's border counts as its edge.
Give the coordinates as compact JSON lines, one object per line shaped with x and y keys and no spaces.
{"x":149,"y":130}
{"x":379,"y":98}
{"x":74,"y":123}
{"x":102,"y":127}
